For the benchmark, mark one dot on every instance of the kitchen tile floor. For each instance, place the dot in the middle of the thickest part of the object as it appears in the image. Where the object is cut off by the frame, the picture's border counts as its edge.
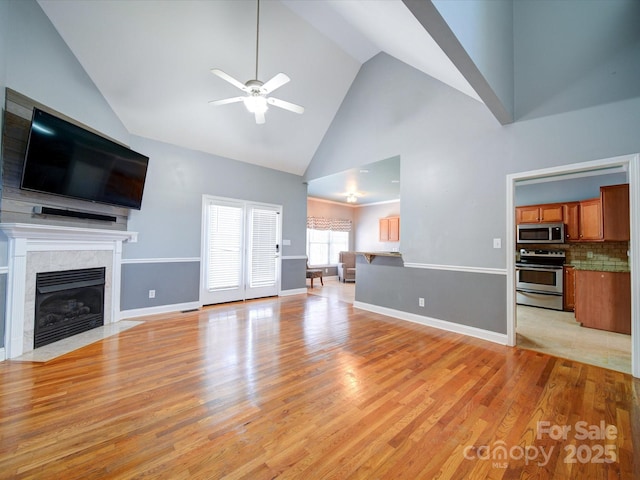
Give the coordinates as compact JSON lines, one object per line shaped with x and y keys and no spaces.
{"x":558,"y":334}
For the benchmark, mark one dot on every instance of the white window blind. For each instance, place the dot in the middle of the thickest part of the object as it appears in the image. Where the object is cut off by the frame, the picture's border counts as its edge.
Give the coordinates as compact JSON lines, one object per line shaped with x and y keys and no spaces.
{"x":324,"y":246}
{"x":225,"y":247}
{"x":264,"y":235}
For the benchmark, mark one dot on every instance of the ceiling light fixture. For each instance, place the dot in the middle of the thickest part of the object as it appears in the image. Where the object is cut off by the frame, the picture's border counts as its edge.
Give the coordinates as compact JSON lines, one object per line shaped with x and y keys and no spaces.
{"x":352,"y":198}
{"x":255,"y":104}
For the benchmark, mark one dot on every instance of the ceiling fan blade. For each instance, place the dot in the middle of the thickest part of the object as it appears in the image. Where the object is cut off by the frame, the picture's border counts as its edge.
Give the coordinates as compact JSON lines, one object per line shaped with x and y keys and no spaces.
{"x":292,"y":107}
{"x":225,"y":101}
{"x":230,"y":79}
{"x":276,"y":82}
{"x":260,"y":118}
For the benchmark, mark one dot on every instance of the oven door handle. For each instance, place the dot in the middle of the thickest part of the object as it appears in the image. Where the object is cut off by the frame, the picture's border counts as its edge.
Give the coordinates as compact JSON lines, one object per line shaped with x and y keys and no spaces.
{"x":539,"y":269}
{"x":538,"y":292}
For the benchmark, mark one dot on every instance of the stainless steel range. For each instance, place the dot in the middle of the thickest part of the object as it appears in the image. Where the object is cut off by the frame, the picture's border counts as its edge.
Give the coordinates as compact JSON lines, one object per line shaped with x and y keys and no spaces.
{"x":539,"y":278}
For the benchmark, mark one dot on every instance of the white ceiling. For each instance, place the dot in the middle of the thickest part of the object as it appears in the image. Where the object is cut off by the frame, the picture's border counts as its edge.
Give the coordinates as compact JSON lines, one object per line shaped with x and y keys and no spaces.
{"x":151,"y":60}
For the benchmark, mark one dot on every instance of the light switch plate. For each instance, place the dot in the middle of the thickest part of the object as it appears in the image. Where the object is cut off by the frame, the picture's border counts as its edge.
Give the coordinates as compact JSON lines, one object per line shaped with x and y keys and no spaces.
{"x":497,"y":243}
{"x":286,"y":243}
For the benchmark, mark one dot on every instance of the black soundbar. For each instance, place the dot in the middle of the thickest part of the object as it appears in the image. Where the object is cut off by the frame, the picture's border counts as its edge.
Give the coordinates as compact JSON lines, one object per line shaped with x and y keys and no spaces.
{"x":73,"y":213}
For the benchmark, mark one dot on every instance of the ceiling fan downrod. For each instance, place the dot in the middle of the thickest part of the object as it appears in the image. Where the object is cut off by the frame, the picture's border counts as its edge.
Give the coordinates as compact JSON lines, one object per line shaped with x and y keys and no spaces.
{"x":257,"y":35}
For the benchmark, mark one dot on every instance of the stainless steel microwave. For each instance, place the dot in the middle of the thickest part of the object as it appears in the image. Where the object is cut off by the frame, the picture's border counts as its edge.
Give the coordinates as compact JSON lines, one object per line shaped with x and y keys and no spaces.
{"x":540,"y":233}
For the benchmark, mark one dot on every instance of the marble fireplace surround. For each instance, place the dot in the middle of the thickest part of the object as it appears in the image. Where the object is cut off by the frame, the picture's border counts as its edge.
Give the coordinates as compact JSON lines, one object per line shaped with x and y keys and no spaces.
{"x":35,"y":248}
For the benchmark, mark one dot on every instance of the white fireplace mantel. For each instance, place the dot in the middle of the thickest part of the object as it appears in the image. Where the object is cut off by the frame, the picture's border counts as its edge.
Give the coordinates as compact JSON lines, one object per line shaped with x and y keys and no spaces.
{"x":35,"y":231}
{"x":25,"y":238}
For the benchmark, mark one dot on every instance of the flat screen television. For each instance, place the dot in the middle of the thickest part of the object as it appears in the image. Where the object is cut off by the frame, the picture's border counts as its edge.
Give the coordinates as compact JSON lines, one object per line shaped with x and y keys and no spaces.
{"x":64,"y":159}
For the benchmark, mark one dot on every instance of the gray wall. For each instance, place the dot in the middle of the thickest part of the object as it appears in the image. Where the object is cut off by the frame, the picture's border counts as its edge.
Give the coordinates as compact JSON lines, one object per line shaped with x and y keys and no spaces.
{"x":4,"y":14}
{"x":472,"y":299}
{"x":41,"y":66}
{"x":35,"y":61}
{"x":174,"y":283}
{"x":169,"y":222}
{"x":568,"y":56}
{"x":455,"y":157}
{"x":293,"y":274}
{"x":170,"y":219}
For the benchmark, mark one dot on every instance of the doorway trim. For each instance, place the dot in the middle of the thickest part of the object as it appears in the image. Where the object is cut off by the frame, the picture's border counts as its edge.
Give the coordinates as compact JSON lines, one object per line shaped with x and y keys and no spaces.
{"x":632,"y":164}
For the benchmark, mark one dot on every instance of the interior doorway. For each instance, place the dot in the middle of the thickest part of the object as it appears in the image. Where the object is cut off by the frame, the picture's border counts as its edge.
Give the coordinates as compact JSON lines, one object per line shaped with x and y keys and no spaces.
{"x":546,"y":272}
{"x":631,"y":163}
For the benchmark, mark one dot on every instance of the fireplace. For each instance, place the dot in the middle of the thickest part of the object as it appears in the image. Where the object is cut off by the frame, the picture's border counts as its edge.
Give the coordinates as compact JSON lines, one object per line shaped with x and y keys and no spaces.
{"x":67,"y":303}
{"x":36,"y":248}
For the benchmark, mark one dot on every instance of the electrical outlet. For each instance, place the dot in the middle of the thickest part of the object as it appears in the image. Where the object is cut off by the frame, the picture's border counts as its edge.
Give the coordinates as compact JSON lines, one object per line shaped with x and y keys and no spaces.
{"x":589,"y":254}
{"x":152,"y":294}
{"x":421,"y":302}
{"x":326,"y":270}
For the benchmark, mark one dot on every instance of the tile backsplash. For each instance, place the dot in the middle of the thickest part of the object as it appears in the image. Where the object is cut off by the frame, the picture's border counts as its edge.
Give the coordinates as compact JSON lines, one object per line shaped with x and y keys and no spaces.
{"x":605,"y":256}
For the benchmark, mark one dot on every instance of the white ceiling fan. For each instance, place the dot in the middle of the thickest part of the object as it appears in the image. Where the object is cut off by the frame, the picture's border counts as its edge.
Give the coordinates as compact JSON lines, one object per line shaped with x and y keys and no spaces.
{"x":256,"y":99}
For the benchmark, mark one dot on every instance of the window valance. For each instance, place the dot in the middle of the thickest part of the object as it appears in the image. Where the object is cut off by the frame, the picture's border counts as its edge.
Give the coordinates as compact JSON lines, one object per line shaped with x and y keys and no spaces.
{"x":333,"y":224}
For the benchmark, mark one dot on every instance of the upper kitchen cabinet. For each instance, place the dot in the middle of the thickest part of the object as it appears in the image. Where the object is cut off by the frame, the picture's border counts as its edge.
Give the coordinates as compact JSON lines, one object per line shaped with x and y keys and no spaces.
{"x":601,"y":219}
{"x":548,"y":213}
{"x":605,"y":218}
{"x":590,"y":220}
{"x":615,"y":212}
{"x":571,"y":213}
{"x":390,"y":229}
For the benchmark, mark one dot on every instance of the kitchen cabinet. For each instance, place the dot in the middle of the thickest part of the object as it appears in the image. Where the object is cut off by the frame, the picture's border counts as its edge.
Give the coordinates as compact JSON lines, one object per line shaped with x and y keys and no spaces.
{"x":615,"y":212}
{"x":590,"y":220}
{"x":571,"y":213}
{"x":390,"y":229}
{"x":603,"y":300}
{"x":548,"y":213}
{"x":529,"y":214}
{"x":568,"y":288}
{"x":606,"y":218}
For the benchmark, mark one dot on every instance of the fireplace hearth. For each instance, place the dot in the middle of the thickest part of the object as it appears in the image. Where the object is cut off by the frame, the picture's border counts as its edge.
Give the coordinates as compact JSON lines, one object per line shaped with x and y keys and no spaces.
{"x":67,"y":303}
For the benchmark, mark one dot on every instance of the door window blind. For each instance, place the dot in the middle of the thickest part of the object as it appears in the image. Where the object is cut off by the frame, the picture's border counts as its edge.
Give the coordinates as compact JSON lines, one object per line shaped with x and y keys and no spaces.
{"x":225,"y":247}
{"x":264,"y":234}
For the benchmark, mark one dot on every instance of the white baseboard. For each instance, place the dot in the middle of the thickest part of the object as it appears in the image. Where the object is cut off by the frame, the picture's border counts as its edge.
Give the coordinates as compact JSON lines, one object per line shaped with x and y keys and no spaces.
{"x":488,"y":335}
{"x":140,"y":312}
{"x":293,"y":291}
{"x":3,"y":354}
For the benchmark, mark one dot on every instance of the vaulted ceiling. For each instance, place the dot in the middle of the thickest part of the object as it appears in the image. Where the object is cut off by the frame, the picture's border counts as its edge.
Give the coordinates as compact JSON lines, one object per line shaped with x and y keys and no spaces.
{"x":152,"y":59}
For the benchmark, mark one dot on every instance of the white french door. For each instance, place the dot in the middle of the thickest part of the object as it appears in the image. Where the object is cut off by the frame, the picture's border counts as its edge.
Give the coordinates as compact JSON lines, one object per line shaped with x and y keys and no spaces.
{"x":241,"y":250}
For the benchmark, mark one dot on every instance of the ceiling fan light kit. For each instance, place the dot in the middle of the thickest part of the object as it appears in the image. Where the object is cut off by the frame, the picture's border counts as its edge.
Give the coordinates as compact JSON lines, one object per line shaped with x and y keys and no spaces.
{"x":256,"y":100}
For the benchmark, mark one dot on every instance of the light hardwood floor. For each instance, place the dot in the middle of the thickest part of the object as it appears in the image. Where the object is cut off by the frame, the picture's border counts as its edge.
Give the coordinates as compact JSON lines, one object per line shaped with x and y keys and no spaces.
{"x":334,"y":289}
{"x":307,"y":387}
